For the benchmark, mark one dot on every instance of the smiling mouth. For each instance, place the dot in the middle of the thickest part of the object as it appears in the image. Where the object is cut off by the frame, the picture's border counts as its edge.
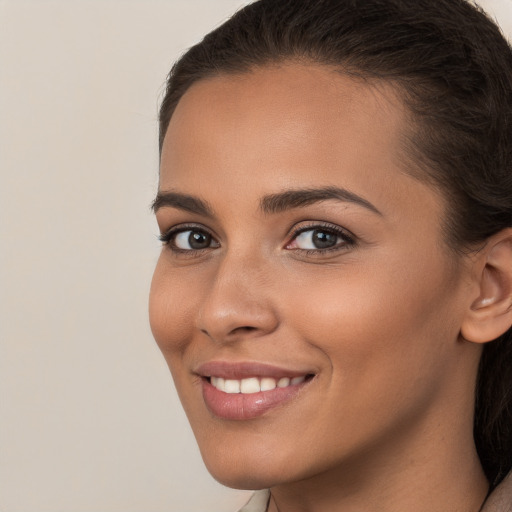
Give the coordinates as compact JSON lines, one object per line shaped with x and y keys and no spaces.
{"x":253,"y":385}
{"x":248,"y":398}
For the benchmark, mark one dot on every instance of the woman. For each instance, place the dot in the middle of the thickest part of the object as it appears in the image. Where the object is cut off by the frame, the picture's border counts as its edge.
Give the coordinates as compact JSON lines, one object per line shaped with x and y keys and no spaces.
{"x":334,"y":294}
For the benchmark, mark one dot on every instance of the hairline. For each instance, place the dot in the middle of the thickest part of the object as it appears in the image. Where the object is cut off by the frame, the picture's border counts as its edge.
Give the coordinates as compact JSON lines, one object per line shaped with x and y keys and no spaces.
{"x":412,"y":162}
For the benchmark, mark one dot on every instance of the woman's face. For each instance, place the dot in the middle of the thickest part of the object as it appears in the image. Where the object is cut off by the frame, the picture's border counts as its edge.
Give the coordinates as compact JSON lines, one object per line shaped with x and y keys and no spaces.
{"x":302,"y":257}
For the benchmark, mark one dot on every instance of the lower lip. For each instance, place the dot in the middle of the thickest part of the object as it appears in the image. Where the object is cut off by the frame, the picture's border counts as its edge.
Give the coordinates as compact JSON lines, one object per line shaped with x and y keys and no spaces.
{"x":241,"y":406}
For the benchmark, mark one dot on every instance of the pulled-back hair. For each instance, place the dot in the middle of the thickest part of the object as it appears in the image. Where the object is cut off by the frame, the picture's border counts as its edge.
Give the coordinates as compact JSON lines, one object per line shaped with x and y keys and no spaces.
{"x":453,"y":70}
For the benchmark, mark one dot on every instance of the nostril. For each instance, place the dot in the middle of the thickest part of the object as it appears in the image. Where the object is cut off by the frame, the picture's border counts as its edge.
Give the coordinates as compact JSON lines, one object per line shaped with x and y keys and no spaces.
{"x":243,"y":329}
{"x":230,"y":321}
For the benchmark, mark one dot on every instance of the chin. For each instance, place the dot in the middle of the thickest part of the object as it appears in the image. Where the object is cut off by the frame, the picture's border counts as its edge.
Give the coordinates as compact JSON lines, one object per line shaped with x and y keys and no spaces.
{"x":245,"y":472}
{"x":245,"y":479}
{"x":245,"y":482}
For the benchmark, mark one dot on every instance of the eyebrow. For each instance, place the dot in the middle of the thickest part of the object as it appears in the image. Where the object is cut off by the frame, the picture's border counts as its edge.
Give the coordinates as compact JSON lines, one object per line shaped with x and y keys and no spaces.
{"x":270,"y":204}
{"x":276,"y":203}
{"x":182,"y":202}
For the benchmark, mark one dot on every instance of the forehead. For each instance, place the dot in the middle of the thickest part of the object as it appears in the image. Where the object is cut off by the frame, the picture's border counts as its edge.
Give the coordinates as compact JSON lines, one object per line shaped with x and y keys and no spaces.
{"x":286,"y":126}
{"x":285,"y":105}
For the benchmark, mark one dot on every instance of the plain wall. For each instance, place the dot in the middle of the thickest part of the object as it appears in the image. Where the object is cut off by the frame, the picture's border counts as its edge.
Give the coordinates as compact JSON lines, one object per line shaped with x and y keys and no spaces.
{"x":89,"y":419}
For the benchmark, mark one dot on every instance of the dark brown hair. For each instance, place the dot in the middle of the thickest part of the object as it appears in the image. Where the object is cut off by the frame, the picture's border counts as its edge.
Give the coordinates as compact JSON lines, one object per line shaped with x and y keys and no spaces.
{"x":453,"y":69}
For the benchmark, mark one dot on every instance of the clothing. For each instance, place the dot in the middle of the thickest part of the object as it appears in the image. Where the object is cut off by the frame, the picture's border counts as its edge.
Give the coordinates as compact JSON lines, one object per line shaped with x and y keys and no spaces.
{"x":500,"y":500}
{"x":258,"y":502}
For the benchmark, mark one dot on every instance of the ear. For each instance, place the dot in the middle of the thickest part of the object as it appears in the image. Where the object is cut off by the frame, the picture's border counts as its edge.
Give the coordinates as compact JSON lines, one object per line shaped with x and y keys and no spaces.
{"x":490,"y":314}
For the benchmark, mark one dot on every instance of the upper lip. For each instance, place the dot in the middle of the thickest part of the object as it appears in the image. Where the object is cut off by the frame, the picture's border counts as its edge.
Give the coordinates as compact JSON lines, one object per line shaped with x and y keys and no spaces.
{"x":246,"y":369}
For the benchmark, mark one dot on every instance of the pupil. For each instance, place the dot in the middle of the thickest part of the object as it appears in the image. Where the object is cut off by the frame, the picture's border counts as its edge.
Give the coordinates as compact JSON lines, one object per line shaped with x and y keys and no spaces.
{"x":323,"y":239}
{"x":199,"y":240}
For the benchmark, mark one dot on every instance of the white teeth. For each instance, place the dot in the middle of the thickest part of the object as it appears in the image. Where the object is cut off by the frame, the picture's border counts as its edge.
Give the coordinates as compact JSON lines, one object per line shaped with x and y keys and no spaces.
{"x":231,"y":386}
{"x":268,"y":383}
{"x":283,"y":383}
{"x":218,"y":382}
{"x":253,"y":384}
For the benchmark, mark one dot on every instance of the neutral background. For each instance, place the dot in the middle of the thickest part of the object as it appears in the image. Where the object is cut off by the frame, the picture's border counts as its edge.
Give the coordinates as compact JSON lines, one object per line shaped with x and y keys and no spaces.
{"x":89,"y":419}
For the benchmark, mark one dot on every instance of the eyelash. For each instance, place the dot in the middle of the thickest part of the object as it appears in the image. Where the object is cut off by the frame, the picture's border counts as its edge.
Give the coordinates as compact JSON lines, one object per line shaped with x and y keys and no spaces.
{"x":348,"y":240}
{"x":168,"y":238}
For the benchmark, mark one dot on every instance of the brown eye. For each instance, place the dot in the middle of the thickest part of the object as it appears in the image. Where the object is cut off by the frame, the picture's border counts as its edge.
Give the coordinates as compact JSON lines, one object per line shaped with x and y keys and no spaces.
{"x":192,"y":240}
{"x":316,"y":239}
{"x":323,"y":239}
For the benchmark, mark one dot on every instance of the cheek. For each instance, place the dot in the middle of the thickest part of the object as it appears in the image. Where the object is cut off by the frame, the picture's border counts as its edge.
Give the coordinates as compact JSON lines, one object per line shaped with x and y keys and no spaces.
{"x":375,"y":322}
{"x":172,"y":302}
{"x":386,"y":341}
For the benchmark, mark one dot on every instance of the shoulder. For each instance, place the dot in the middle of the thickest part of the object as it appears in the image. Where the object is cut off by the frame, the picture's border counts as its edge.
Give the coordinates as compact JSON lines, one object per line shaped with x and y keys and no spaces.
{"x":258,"y":502}
{"x":500,"y":500}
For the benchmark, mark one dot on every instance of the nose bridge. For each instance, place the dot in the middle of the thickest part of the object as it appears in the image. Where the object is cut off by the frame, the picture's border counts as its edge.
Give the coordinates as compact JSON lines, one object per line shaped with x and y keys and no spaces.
{"x":238,"y":300}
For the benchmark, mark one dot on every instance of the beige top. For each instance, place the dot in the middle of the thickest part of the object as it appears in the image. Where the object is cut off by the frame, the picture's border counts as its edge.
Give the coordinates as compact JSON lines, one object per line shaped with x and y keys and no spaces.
{"x":258,"y":502}
{"x":500,"y":500}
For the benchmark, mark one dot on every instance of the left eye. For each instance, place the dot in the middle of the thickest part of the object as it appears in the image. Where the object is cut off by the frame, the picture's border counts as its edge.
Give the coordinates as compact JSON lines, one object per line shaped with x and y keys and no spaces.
{"x":318,"y":239}
{"x":189,"y":240}
{"x":192,"y":240}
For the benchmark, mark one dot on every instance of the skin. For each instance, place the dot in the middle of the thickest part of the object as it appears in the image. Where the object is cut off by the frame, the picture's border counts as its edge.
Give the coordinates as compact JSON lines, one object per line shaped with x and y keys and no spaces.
{"x":386,"y":424}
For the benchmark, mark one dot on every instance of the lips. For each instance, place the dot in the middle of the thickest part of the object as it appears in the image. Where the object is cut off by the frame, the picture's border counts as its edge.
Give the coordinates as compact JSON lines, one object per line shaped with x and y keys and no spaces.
{"x":242,"y":391}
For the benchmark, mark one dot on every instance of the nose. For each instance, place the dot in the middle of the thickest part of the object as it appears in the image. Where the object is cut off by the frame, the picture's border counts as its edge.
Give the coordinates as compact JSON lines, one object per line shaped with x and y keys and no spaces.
{"x":238,"y":301}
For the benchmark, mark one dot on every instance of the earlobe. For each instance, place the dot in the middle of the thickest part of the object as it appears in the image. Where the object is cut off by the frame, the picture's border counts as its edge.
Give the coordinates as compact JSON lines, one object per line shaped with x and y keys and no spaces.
{"x":490,"y":314}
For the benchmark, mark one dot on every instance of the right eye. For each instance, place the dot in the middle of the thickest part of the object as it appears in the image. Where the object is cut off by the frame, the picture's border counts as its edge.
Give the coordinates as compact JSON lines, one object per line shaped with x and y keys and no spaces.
{"x":186,"y":240}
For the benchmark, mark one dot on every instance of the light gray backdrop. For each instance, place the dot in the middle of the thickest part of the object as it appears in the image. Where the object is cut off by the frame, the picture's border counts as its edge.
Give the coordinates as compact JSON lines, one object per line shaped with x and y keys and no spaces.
{"x":89,"y":419}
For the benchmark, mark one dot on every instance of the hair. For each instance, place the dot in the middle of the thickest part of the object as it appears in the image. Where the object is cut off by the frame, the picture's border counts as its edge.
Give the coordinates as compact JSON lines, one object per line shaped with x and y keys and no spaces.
{"x":453,"y":69}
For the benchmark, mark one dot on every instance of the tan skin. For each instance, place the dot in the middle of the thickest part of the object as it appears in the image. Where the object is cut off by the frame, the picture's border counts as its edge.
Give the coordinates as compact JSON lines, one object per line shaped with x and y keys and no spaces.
{"x":386,"y":423}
